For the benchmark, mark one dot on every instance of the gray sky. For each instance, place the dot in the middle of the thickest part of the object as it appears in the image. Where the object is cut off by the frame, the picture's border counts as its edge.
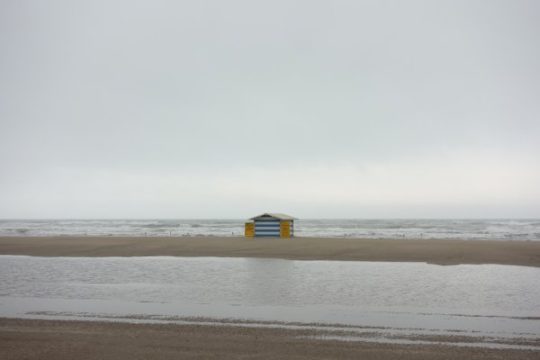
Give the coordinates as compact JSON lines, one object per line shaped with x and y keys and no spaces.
{"x":229,"y":108}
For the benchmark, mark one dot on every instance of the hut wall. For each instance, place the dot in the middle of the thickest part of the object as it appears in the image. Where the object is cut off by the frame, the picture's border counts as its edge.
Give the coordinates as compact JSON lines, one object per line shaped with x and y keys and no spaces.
{"x":267,"y":227}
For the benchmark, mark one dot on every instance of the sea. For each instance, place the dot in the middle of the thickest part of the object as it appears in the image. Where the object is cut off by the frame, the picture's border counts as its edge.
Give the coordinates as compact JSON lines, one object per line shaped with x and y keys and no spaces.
{"x":466,"y":229}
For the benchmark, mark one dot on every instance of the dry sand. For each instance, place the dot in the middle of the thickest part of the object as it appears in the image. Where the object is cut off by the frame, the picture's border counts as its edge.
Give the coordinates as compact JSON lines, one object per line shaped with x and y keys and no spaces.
{"x":444,"y":252}
{"x":51,"y":339}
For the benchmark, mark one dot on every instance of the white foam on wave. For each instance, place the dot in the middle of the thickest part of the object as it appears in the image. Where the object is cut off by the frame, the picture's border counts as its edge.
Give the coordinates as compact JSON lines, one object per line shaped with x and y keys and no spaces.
{"x":491,"y":229}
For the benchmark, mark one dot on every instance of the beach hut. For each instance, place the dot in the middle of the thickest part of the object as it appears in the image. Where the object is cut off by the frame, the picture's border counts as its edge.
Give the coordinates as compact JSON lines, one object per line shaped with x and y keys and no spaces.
{"x":270,"y":225}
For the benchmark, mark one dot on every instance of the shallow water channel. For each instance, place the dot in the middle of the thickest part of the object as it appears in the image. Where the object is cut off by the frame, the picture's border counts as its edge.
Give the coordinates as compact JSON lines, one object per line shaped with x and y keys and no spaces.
{"x":495,"y":304}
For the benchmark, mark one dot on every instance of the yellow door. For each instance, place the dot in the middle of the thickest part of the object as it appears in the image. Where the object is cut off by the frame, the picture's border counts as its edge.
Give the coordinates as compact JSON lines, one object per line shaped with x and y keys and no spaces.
{"x":250,"y":229}
{"x":285,"y":229}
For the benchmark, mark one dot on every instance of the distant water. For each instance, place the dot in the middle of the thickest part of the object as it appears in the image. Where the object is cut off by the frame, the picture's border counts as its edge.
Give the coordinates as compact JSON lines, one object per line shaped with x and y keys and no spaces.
{"x":493,"y":304}
{"x":494,"y":229}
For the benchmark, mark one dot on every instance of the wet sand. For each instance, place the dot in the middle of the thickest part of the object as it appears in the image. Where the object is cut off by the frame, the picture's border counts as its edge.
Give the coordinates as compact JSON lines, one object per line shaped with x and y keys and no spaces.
{"x":53,"y":339}
{"x":444,"y":252}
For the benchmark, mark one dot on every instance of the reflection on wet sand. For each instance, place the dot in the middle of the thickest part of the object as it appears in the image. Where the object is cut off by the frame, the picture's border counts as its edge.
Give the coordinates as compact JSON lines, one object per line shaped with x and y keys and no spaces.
{"x":480,"y":305}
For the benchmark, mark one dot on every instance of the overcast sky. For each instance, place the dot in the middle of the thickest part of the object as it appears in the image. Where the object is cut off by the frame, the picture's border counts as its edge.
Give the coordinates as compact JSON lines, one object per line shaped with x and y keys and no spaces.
{"x":204,"y":109}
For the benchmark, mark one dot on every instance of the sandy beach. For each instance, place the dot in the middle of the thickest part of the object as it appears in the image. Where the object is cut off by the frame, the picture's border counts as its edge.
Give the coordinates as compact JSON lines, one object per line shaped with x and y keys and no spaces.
{"x":57,"y":338}
{"x":52,"y":339}
{"x":444,"y":252}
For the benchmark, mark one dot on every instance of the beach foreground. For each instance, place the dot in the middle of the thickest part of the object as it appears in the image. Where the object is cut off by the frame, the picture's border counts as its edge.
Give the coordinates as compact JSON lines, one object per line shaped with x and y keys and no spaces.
{"x":52,"y":339}
{"x":444,"y":252}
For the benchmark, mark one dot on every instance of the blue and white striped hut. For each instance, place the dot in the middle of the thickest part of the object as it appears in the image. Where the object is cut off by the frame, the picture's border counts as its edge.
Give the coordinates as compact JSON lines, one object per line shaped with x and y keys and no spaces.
{"x":271,"y":224}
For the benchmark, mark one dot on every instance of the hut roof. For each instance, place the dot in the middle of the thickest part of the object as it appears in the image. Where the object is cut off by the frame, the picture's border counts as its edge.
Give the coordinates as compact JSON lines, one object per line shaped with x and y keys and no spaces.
{"x":274,"y":215}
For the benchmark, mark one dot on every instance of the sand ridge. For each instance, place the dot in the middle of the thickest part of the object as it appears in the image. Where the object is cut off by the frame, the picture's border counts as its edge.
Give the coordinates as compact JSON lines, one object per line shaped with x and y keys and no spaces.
{"x":444,"y":252}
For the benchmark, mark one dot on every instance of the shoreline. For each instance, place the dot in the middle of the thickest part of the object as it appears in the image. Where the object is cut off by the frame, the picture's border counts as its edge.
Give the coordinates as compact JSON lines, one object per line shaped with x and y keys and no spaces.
{"x":68,"y":339}
{"x":440,"y":251}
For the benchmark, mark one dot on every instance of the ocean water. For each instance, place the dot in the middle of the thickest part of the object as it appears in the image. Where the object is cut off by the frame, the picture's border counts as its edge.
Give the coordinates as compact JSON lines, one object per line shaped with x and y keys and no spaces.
{"x":493,"y":229}
{"x":495,"y":305}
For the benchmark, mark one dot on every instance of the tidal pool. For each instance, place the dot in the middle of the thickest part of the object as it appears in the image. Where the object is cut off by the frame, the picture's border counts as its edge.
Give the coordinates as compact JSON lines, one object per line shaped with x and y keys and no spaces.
{"x":397,"y":299}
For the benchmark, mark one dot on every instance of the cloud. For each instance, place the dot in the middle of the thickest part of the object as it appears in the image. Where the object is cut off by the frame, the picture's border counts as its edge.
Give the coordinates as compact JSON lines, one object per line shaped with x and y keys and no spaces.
{"x":349,"y":108}
{"x":459,"y":182}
